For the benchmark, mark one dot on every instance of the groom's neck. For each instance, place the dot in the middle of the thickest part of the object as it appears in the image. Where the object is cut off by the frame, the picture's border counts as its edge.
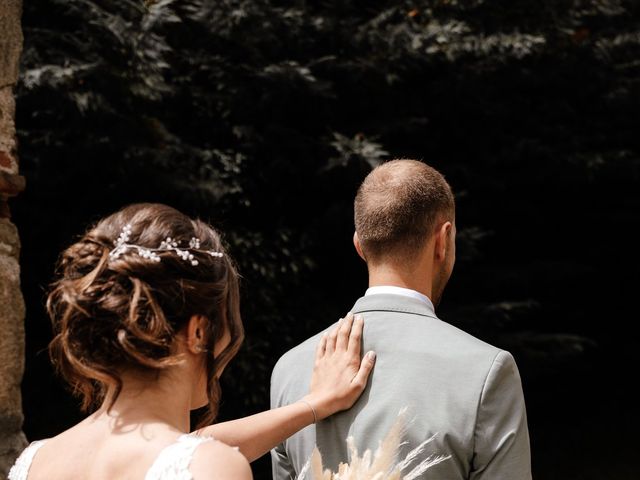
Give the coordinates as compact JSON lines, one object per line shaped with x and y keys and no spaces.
{"x":394,"y":275}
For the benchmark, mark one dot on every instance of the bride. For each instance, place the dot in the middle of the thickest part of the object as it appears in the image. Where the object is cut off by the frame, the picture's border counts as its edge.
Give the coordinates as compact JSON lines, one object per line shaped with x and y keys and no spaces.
{"x":146,"y":317}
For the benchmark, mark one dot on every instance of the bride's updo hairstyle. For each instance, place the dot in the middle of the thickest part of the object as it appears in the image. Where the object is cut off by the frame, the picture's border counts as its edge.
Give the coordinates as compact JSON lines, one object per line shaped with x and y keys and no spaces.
{"x":115,"y":310}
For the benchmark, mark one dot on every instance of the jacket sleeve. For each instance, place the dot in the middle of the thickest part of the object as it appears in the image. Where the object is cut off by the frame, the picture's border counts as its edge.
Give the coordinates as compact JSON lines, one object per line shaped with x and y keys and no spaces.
{"x":501,"y":436}
{"x":281,"y":466}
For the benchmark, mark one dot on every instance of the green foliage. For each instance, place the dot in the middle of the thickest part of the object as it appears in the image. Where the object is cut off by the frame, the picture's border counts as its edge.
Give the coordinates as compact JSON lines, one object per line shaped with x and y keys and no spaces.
{"x":264,"y":115}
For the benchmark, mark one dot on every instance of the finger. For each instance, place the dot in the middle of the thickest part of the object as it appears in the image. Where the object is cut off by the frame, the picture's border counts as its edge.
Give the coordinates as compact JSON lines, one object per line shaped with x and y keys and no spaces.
{"x":343,"y":333}
{"x":331,"y":339}
{"x":355,"y":337}
{"x":322,"y":346}
{"x":368,"y":361}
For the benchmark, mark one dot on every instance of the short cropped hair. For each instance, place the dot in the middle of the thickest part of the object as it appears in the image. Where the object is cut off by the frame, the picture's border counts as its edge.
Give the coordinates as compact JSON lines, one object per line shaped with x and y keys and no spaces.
{"x":398,"y":206}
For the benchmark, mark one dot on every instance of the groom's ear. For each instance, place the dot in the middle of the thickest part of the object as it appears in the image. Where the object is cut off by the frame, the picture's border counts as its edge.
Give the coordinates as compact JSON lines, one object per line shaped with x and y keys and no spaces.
{"x":356,"y":243}
{"x":442,"y":242}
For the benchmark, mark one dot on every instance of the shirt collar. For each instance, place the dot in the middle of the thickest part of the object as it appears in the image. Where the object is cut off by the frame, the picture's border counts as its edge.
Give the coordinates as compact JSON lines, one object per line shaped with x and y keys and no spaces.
{"x":381,"y":289}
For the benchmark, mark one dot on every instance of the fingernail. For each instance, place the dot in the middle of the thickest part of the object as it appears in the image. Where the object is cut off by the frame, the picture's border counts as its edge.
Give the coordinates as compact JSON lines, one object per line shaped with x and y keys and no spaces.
{"x":372,"y":355}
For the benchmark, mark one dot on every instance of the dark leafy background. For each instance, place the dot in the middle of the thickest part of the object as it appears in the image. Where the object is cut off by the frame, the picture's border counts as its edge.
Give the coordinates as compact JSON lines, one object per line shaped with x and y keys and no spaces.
{"x":263,"y":116}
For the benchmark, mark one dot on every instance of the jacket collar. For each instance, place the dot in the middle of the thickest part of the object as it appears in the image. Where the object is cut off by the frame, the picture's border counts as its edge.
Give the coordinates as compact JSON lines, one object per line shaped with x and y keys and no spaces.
{"x":387,"y":302}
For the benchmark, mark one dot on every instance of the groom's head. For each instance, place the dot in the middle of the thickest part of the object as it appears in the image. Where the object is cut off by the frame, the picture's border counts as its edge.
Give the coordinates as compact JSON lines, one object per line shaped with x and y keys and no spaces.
{"x":404,"y":218}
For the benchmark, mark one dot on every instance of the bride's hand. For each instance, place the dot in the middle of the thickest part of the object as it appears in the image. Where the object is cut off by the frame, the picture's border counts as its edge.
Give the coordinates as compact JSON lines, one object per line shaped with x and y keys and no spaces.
{"x":339,"y":374}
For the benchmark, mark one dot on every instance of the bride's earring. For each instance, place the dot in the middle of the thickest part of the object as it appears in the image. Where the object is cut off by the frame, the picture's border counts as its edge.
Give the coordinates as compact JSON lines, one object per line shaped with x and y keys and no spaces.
{"x":200,"y":348}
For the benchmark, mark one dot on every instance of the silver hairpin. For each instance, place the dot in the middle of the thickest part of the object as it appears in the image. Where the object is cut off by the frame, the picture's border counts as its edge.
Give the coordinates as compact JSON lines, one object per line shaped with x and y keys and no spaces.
{"x":122,"y":245}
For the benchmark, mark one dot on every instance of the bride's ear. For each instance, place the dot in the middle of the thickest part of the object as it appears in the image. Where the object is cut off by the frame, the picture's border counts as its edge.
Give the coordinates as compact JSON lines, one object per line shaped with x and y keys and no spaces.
{"x":196,"y":328}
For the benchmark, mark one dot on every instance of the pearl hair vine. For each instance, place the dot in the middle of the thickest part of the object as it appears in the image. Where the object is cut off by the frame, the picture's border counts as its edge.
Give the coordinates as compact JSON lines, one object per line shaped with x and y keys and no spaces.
{"x":122,"y":245}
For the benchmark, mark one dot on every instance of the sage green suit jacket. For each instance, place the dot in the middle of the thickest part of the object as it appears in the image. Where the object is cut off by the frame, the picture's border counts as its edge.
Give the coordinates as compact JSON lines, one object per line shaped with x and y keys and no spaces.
{"x":464,"y":390}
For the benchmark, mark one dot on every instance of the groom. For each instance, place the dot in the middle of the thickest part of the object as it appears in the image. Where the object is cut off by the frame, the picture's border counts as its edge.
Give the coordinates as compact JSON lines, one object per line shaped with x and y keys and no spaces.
{"x":464,"y":391}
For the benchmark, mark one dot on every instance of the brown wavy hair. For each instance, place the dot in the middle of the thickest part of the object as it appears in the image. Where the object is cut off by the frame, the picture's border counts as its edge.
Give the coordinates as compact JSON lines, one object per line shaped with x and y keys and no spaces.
{"x":112,"y":315}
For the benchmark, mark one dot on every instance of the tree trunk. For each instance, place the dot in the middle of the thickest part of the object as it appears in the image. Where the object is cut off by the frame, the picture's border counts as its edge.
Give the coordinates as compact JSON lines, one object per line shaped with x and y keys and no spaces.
{"x":12,"y":440}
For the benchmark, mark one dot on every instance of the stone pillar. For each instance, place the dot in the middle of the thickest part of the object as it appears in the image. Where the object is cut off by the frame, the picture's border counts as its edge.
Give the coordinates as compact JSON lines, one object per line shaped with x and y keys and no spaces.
{"x":12,"y":311}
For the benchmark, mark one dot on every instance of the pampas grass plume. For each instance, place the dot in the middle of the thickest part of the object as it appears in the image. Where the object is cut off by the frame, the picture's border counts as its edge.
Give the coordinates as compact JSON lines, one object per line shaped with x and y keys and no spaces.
{"x":382,"y":465}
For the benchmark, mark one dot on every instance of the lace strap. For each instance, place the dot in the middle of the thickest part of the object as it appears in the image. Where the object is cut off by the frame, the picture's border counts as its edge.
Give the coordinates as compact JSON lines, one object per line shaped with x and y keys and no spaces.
{"x":20,"y":469}
{"x":173,"y":462}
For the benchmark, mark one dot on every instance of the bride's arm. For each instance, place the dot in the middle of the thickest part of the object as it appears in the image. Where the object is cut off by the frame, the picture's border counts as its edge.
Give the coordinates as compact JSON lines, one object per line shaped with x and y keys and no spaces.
{"x":257,"y":434}
{"x":339,"y":378}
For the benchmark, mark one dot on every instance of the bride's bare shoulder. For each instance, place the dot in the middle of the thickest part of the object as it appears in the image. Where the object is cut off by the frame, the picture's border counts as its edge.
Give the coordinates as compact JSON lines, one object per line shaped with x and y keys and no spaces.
{"x":218,"y":461}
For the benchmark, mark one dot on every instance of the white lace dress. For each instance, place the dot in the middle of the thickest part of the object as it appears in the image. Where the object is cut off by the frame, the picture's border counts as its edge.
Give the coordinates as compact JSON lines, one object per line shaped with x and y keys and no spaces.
{"x":172,"y":462}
